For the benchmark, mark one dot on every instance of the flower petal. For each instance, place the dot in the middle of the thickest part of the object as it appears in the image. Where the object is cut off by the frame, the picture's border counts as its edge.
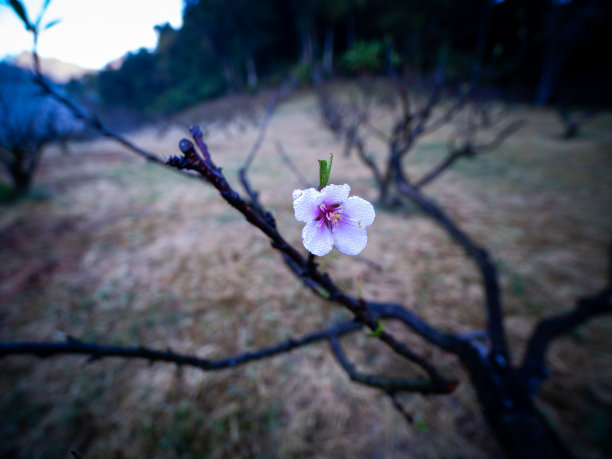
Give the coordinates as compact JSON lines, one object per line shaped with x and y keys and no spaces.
{"x":335,"y":194}
{"x":359,"y":210}
{"x":317,"y":239}
{"x":350,"y":240}
{"x":306,"y":204}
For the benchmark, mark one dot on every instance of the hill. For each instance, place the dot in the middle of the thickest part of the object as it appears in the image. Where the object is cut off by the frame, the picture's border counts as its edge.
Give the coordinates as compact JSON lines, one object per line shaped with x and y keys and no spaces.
{"x":59,"y":71}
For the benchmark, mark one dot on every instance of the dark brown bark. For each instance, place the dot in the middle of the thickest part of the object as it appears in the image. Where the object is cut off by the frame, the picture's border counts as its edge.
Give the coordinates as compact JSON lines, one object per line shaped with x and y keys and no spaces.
{"x":22,"y":168}
{"x":520,"y":428}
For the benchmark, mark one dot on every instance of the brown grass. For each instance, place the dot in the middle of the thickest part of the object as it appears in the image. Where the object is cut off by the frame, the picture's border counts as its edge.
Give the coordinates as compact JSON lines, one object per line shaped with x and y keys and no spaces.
{"x":123,"y":252}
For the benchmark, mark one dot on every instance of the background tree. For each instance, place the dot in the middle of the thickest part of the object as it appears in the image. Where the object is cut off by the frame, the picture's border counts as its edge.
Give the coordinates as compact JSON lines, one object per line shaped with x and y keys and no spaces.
{"x":539,"y":50}
{"x":29,"y":120}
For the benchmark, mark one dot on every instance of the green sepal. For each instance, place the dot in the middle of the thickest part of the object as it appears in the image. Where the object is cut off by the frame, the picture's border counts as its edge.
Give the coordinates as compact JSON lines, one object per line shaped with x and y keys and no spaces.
{"x":379,"y":329}
{"x":324,"y":171}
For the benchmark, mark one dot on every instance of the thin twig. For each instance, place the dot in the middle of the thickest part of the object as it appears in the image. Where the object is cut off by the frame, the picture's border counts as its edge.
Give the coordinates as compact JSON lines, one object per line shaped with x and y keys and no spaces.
{"x":399,"y":407}
{"x":292,"y":167}
{"x":420,"y":385}
{"x":468,"y":150}
{"x":255,"y":148}
{"x":97,"y":351}
{"x":94,"y":121}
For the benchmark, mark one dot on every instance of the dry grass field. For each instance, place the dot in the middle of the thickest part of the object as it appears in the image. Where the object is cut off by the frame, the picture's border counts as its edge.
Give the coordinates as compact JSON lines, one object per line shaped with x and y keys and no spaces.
{"x":118,"y":251}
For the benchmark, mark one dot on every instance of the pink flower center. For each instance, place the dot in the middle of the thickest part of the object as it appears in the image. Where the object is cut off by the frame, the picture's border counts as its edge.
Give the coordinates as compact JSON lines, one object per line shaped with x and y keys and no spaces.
{"x":330,"y":215}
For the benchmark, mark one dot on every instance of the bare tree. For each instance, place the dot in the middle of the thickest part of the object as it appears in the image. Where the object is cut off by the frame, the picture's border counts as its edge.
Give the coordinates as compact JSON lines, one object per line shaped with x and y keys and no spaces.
{"x":29,"y":121}
{"x":353,"y":121}
{"x":573,"y":120}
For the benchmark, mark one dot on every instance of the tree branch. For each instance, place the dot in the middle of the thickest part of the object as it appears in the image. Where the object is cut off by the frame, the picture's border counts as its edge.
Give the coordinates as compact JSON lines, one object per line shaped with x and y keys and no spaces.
{"x":422,"y":386}
{"x":533,"y":369}
{"x":482,"y":259}
{"x":399,"y":407}
{"x":468,"y":150}
{"x":98,"y":351}
{"x":92,"y":120}
{"x":318,"y":281}
{"x":292,"y":167}
{"x":242,"y":174}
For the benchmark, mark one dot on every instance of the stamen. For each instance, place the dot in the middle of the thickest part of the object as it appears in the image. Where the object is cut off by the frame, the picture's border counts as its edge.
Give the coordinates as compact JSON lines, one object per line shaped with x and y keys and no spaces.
{"x":330,"y":214}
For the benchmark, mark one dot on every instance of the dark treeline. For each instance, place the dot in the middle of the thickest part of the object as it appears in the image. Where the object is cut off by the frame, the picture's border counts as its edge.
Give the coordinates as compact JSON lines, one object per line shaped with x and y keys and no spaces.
{"x":545,"y":51}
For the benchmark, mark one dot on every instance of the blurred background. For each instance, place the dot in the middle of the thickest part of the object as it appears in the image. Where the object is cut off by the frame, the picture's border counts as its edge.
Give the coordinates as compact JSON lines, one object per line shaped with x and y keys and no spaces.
{"x":98,"y":245}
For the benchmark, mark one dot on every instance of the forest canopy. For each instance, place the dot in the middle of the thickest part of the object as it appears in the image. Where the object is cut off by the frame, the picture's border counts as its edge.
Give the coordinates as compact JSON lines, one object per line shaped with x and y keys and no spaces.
{"x":535,"y":50}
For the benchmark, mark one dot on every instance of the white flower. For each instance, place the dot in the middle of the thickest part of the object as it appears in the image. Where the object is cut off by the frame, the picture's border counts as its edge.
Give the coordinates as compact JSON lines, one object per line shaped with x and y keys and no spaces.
{"x":332,"y":218}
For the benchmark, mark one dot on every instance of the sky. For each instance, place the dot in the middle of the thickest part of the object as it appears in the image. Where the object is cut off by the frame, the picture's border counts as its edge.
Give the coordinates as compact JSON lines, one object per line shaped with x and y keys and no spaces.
{"x":91,"y":33}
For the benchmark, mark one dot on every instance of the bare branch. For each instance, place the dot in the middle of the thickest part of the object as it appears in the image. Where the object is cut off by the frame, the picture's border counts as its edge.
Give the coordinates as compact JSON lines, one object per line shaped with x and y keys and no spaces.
{"x":292,"y":167}
{"x":469,"y":150}
{"x":319,"y":282}
{"x":198,"y":137}
{"x":98,"y":351}
{"x":399,"y":407}
{"x":482,"y":259}
{"x":377,"y":132}
{"x":448,"y":114}
{"x":334,"y":115}
{"x":441,"y":167}
{"x":92,"y":120}
{"x":533,"y":368}
{"x":449,"y":343}
{"x":500,"y":137}
{"x":422,"y":386}
{"x":255,"y":148}
{"x":359,"y":145}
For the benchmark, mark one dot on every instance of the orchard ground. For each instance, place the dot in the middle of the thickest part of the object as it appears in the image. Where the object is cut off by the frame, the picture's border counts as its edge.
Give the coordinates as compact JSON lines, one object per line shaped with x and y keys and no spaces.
{"x":119,"y":251}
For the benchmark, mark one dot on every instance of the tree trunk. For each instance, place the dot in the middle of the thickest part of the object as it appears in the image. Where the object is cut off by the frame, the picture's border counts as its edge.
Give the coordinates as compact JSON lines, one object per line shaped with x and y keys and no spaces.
{"x":233,"y":75}
{"x":22,"y":169}
{"x":389,"y":67}
{"x":328,"y":52}
{"x":307,"y":40}
{"x":350,"y":30}
{"x":554,"y":56}
{"x":519,"y":427}
{"x":548,"y":78}
{"x":251,"y":72}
